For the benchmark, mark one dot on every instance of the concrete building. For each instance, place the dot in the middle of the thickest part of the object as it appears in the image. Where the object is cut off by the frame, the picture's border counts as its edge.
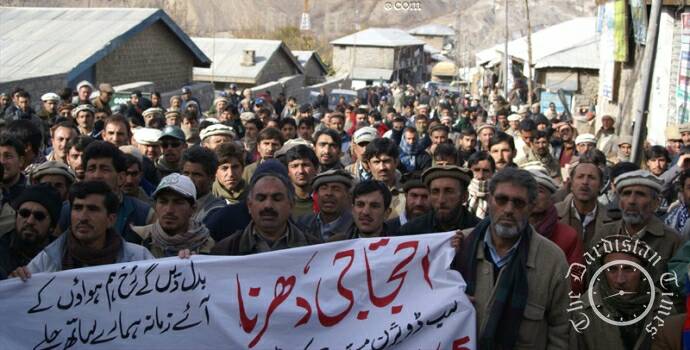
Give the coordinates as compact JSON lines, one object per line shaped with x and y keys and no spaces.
{"x":380,"y":55}
{"x":435,"y":35}
{"x":46,"y":49}
{"x":246,"y":62}
{"x":315,"y":70}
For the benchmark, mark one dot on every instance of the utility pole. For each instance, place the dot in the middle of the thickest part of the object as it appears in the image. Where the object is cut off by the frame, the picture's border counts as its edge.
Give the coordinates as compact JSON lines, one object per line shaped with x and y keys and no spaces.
{"x":529,"y":55}
{"x":505,"y":55}
{"x":646,"y":70}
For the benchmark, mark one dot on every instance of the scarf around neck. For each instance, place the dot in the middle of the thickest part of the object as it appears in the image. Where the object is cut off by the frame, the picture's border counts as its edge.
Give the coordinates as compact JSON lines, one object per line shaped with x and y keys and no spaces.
{"x":408,"y":153}
{"x":548,"y":224}
{"x":505,"y":316}
{"x":220,"y":191}
{"x":476,"y":203}
{"x":196,"y":236}
{"x":78,"y":255}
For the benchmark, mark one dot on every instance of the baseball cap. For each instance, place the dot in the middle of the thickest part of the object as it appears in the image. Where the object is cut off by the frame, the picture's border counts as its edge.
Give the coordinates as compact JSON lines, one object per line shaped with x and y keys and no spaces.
{"x":174,"y":132}
{"x":178,"y":183}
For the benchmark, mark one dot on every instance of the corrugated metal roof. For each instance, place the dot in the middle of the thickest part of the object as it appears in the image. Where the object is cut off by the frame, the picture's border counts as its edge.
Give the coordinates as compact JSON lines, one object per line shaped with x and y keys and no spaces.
{"x":304,"y":56}
{"x":37,"y":42}
{"x":548,"y":41}
{"x":227,"y":55}
{"x":585,"y":56}
{"x":432,"y":29}
{"x":362,"y":73}
{"x":383,"y":37}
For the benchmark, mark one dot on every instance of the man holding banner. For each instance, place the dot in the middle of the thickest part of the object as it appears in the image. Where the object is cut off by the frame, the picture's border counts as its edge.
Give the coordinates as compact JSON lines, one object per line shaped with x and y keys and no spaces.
{"x":513,"y":274}
{"x":91,"y":239}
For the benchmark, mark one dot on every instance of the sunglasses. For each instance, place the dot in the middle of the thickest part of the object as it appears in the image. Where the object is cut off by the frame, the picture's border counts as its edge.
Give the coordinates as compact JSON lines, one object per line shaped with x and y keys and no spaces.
{"x":173,"y":144}
{"x":25,"y":213}
{"x":502,"y":200}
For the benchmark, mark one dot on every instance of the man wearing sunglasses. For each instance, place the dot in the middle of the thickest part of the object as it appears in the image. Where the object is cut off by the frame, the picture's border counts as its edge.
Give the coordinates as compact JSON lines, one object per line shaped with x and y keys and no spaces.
{"x":37,"y":211}
{"x":173,"y":144}
{"x":514,"y":275}
{"x":447,"y":192}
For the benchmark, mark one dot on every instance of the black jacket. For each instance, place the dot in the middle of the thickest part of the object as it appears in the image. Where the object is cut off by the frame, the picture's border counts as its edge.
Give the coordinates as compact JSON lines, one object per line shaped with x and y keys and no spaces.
{"x":427,"y":223}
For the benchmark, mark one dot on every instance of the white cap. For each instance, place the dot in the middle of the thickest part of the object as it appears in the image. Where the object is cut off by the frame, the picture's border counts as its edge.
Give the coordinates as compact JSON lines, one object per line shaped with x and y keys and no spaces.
{"x":365,"y":134}
{"x":217,"y":129}
{"x":289,"y":144}
{"x":247,"y":116}
{"x":147,"y":136}
{"x":84,"y":83}
{"x":51,"y":96}
{"x":178,"y":183}
{"x":543,"y":179}
{"x":585,"y":138}
{"x":212,"y":120}
{"x":129,"y":149}
{"x":514,"y":117}
{"x":81,"y":108}
{"x":153,"y":110}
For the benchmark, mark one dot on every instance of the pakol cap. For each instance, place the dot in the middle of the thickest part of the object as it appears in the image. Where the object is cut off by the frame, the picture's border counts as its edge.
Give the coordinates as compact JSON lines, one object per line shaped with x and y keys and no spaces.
{"x":51,"y":96}
{"x":53,"y":167}
{"x":365,"y":134}
{"x":639,"y":178}
{"x":147,"y":136}
{"x":453,"y":171}
{"x":585,"y":138}
{"x":217,"y":129}
{"x":333,"y":175}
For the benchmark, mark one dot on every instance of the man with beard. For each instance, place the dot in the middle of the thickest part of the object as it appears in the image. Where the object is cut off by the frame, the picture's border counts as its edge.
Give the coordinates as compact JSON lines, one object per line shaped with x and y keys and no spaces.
{"x":328,"y":146}
{"x":270,"y":200}
{"x":485,"y":133}
{"x":90,"y":239}
{"x":176,"y":228}
{"x":447,"y":193}
{"x":580,"y":209}
{"x":544,"y":219}
{"x":75,"y":150}
{"x":334,"y":217}
{"x":301,"y":164}
{"x":416,"y":203}
{"x":514,"y":275}
{"x":539,"y":152}
{"x":621,"y":293}
{"x":639,"y":194}
{"x":172,"y":143}
{"x":371,"y":202}
{"x":483,"y":168}
{"x":502,"y":150}
{"x":467,"y":143}
{"x":37,"y":211}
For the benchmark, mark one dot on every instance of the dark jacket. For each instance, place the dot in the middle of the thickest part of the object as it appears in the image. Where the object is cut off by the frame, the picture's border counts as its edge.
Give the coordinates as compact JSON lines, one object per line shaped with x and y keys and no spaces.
{"x":242,"y":243}
{"x":427,"y":223}
{"x":224,"y":221}
{"x":309,"y":223}
{"x":11,"y":256}
{"x":393,"y":225}
{"x":353,"y":233}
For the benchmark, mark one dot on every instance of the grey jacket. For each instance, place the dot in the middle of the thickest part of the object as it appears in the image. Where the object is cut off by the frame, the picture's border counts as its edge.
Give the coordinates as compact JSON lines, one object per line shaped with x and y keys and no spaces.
{"x":50,"y":258}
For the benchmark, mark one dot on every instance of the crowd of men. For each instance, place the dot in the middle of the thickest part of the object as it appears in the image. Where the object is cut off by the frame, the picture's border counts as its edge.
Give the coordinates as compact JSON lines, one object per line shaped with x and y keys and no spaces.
{"x":85,"y":183}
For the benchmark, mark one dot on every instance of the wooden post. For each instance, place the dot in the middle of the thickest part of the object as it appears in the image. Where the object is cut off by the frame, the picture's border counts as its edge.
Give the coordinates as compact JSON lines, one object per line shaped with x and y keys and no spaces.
{"x":529,"y":55}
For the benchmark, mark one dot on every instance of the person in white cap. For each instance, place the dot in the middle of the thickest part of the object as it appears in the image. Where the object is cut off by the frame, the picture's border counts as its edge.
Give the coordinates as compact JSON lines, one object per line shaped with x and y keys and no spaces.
{"x":584,"y":143}
{"x":152,"y":115}
{"x":84,"y":90}
{"x":175,"y":229}
{"x":84,"y":116}
{"x":148,"y":142}
{"x":606,"y":136}
{"x":639,"y":194}
{"x":623,"y":150}
{"x":213,"y":136}
{"x":361,"y":138}
{"x":514,"y":123}
{"x":50,"y":102}
{"x":219,"y":104}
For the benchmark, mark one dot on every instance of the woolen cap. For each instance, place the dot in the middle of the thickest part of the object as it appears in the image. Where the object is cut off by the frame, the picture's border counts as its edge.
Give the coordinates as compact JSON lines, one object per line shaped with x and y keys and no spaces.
{"x":217,"y":129}
{"x":585,"y":138}
{"x":484,"y":126}
{"x":413,"y":183}
{"x":452,"y":171}
{"x":514,"y":117}
{"x":83,"y":107}
{"x":544,"y":180}
{"x":152,"y":110}
{"x":178,"y":183}
{"x":247,"y":116}
{"x":53,"y":167}
{"x":365,"y":134}
{"x":147,"y":136}
{"x":684,"y":128}
{"x":625,"y":139}
{"x":105,"y":87}
{"x":640,"y":178}
{"x":289,"y":144}
{"x":333,"y":175}
{"x":51,"y":96}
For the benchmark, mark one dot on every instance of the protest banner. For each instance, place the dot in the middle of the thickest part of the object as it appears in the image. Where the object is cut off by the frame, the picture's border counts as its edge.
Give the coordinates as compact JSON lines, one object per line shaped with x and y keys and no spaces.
{"x":381,"y":293}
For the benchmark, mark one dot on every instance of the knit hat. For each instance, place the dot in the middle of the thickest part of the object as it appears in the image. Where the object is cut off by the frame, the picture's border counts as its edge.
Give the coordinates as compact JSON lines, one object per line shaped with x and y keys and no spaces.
{"x":685,"y":127}
{"x":641,"y":178}
{"x":544,"y":180}
{"x":247,"y":116}
{"x":514,"y":117}
{"x":53,"y":167}
{"x":452,"y":171}
{"x":43,"y":194}
{"x":272,"y":167}
{"x":217,"y":129}
{"x":585,"y":138}
{"x":333,"y":175}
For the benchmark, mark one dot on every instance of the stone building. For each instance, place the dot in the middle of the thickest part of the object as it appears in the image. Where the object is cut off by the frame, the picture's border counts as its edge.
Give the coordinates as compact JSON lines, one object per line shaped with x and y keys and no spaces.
{"x":435,"y":35}
{"x":46,"y":49}
{"x":380,"y":55}
{"x":246,"y":62}
{"x":315,"y":70}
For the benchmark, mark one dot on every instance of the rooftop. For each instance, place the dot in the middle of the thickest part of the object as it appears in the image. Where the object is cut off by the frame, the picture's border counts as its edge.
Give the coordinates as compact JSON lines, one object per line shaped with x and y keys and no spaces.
{"x":432,"y":29}
{"x":381,"y":37}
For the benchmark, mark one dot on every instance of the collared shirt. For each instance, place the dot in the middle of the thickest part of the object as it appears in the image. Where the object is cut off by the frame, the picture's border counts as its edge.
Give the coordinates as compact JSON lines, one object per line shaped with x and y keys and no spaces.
{"x":327,"y":229}
{"x":263,"y":245}
{"x":495,"y":258}
{"x":591,"y":216}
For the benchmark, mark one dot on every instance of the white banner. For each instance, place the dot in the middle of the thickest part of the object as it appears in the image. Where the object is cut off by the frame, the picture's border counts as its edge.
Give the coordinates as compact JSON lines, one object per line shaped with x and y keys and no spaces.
{"x":394,"y":292}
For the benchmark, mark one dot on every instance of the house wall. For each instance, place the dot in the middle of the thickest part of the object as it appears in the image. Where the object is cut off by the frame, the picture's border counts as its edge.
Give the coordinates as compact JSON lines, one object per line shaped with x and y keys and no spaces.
{"x":278,"y":66}
{"x":313,"y":73}
{"x":370,"y":57}
{"x":155,"y":54}
{"x":36,"y":86}
{"x":434,"y":41}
